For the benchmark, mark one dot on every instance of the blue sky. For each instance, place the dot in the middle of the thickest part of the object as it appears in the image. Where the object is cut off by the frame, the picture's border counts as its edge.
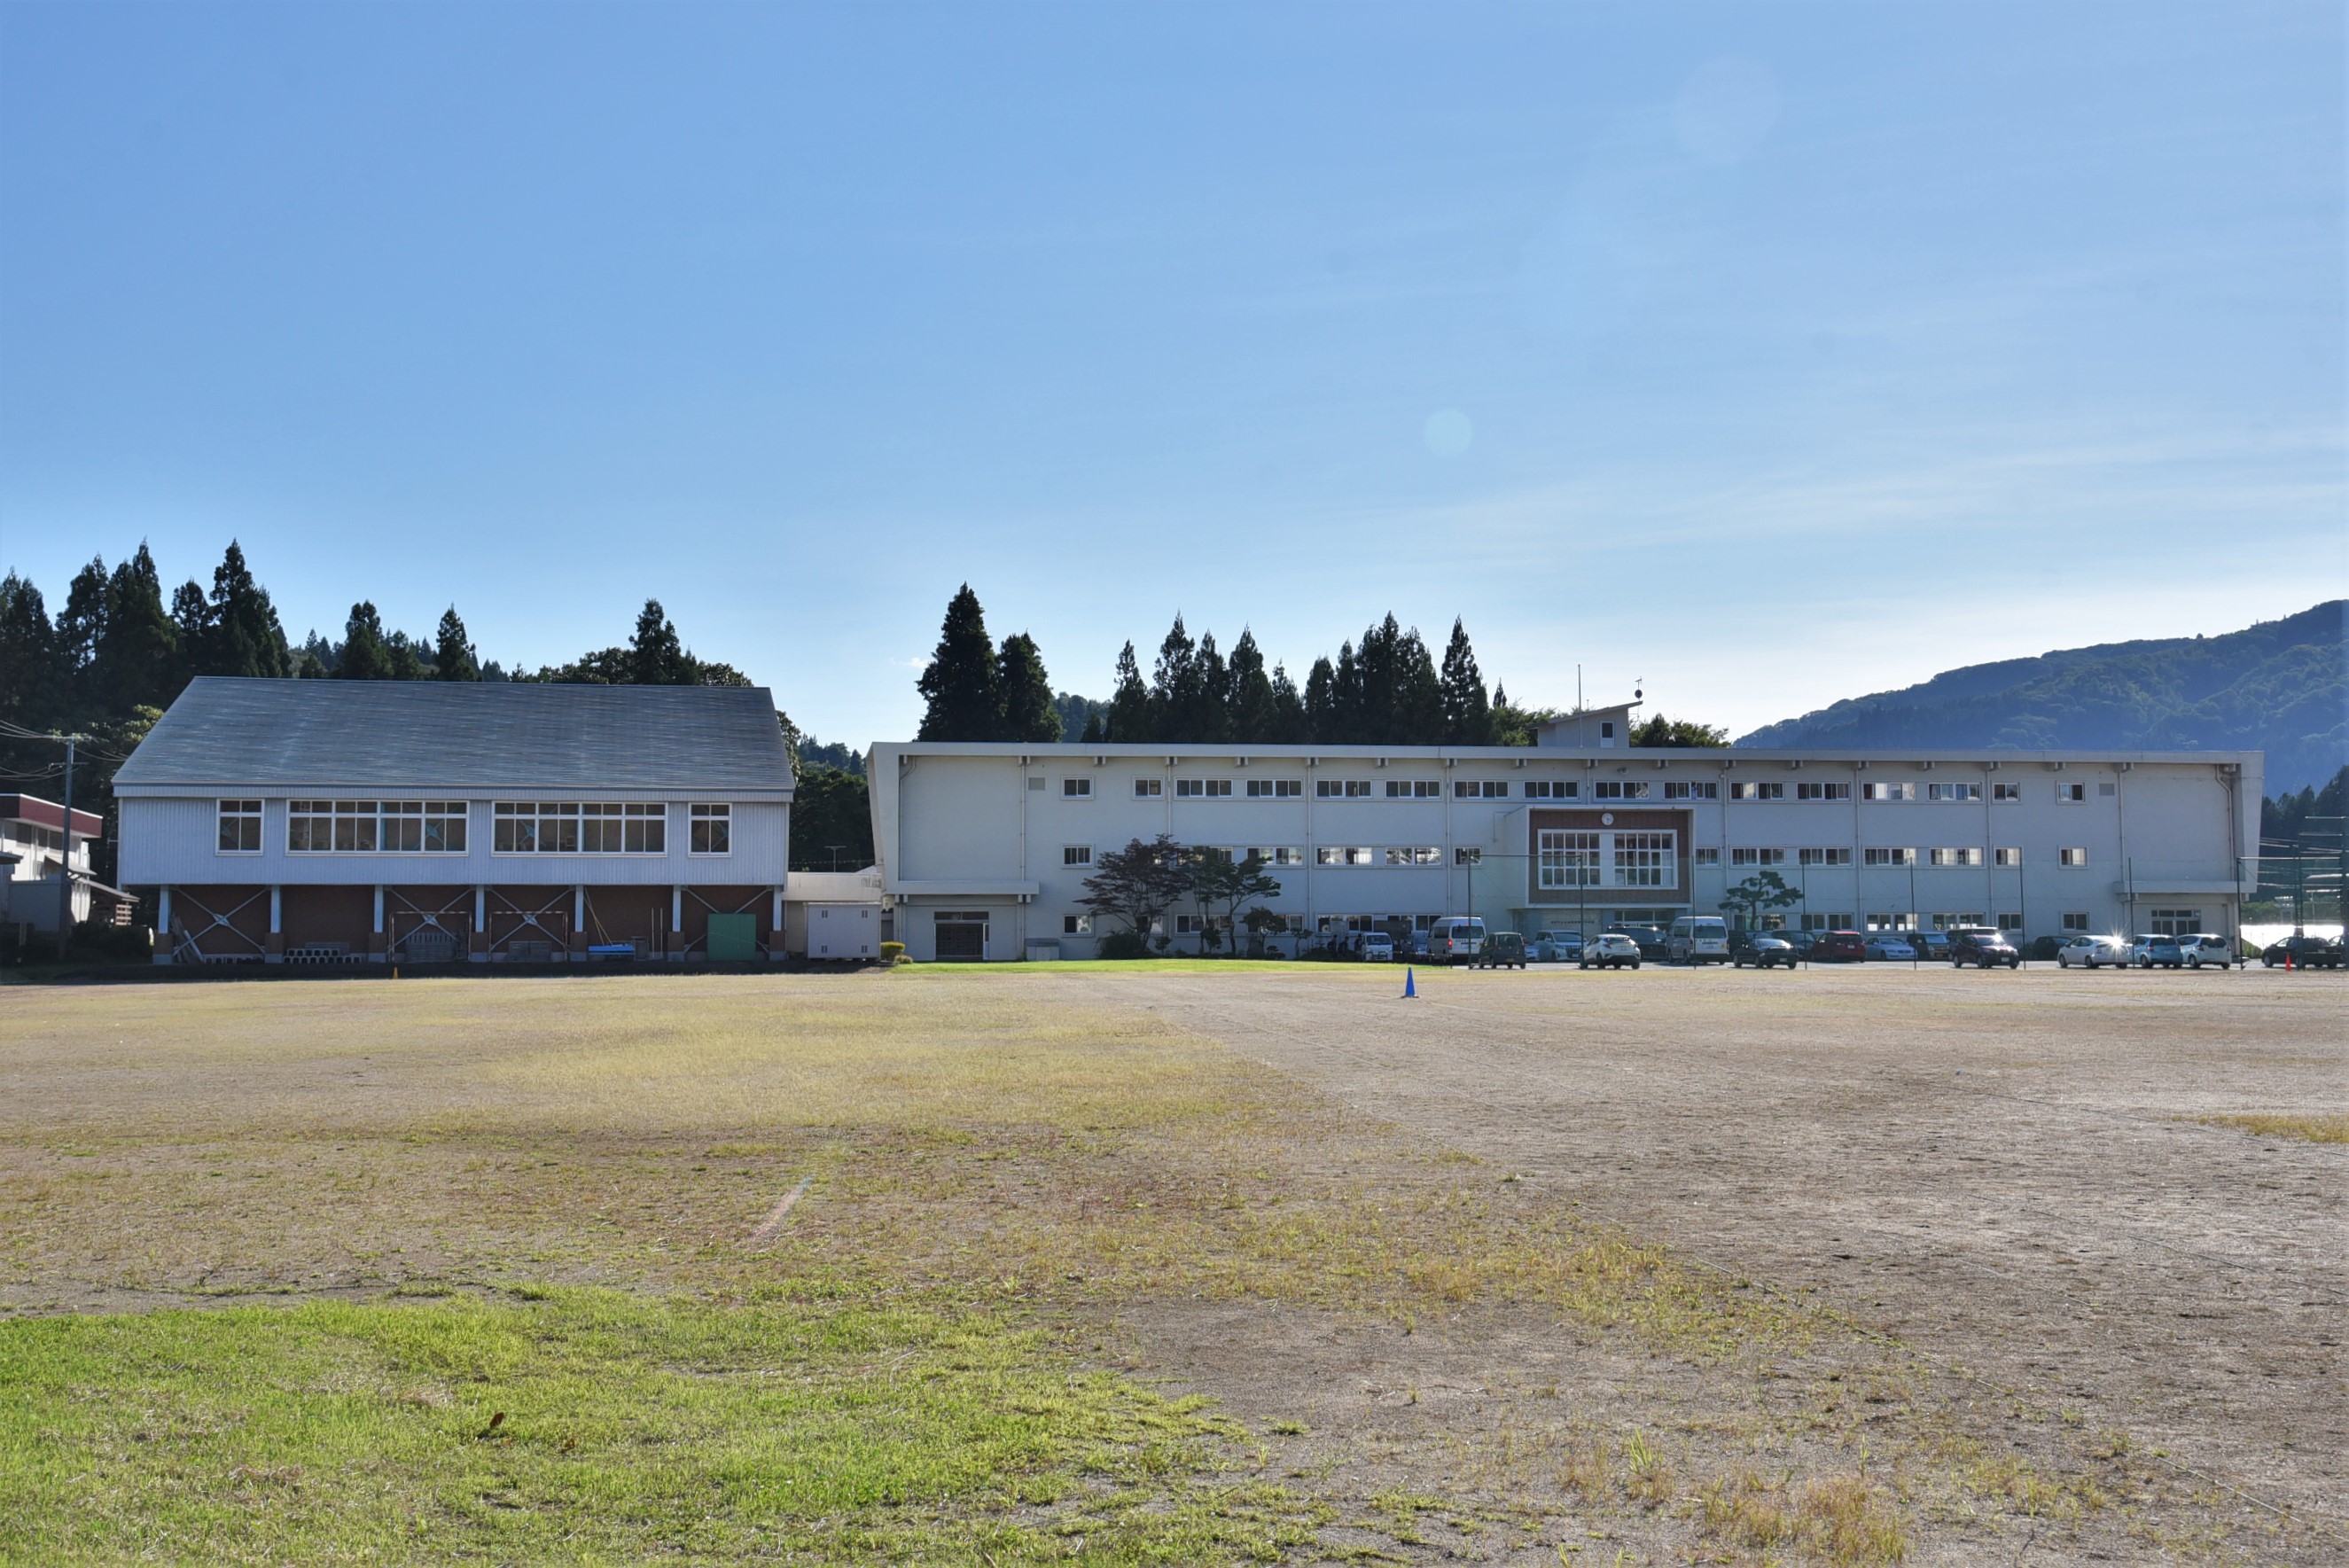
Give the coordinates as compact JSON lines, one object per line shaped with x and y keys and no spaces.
{"x":1768,"y":355}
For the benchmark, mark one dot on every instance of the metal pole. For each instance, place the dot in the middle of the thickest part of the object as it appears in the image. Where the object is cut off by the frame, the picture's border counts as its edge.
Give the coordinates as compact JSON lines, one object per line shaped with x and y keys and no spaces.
{"x":65,"y":867}
{"x":1912,"y":909}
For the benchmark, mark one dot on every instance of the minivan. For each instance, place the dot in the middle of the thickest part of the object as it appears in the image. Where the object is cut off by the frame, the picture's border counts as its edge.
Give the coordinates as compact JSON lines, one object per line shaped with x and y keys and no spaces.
{"x":1456,"y":939}
{"x":1698,"y":939}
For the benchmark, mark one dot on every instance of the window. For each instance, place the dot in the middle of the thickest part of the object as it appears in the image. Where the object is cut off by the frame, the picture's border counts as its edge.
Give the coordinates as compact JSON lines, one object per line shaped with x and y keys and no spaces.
{"x":1692,"y":790}
{"x":1954,"y":921}
{"x":1480,"y":790}
{"x":1831,"y":921}
{"x":2006,"y":791}
{"x":1342,"y":788}
{"x":1076,"y":926}
{"x":415,"y":827}
{"x":2012,"y":856}
{"x":1082,"y":789}
{"x":1144,"y":789}
{"x":2075,"y":920}
{"x":1415,"y":855}
{"x":240,"y":828}
{"x":1555,"y":789}
{"x":2072,"y":794}
{"x":2010,"y":919}
{"x":1757,"y":792}
{"x":1414,"y":789}
{"x":713,"y":829}
{"x":1564,"y":859}
{"x":1188,"y":924}
{"x":2072,"y":857}
{"x":1882,"y":857}
{"x":1821,"y":791}
{"x":1278,"y":855}
{"x":2177,"y":921}
{"x":1076,"y":855}
{"x":1465,"y":856}
{"x":1203,"y":788}
{"x":1887,"y":792}
{"x":1756,"y":857}
{"x":1953,"y":792}
{"x":318,"y":826}
{"x":1342,"y":855}
{"x":1639,"y":859}
{"x":645,"y":831}
{"x":1891,"y":921}
{"x":1621,"y":789}
{"x":1832,"y":855}
{"x":1960,"y":857}
{"x":1708,"y":857}
{"x":1275,"y":789}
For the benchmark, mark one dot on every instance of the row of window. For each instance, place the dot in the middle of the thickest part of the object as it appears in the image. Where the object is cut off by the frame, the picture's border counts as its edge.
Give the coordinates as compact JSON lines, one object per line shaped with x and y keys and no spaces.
{"x":1564,"y":859}
{"x":1881,"y":855}
{"x":1571,"y":789}
{"x":2166,"y":921}
{"x":438,"y":827}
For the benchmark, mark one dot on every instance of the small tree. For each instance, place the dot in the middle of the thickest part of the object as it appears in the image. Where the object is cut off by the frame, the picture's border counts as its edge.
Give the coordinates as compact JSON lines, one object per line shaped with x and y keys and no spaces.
{"x":1746,"y":901}
{"x":1262,"y":923}
{"x":1135,"y":885}
{"x":1222,"y":884}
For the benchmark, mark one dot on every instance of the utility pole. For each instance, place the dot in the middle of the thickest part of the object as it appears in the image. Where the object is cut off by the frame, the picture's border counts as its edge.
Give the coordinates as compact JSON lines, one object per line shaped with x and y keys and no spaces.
{"x":65,"y":867}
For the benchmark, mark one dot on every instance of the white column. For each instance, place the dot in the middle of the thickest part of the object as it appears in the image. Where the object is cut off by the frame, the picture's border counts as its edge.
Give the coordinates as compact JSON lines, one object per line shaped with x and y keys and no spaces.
{"x":163,"y":910}
{"x":277,"y":909}
{"x":578,"y":922}
{"x":378,"y":909}
{"x":480,"y":924}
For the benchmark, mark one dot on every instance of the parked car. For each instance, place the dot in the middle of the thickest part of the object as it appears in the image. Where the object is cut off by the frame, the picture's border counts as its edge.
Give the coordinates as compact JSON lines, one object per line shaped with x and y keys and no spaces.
{"x":1557,"y":946}
{"x":1981,"y":946}
{"x":2155,"y":951}
{"x":1802,"y":942}
{"x":2305,"y":953}
{"x":2089,"y":952}
{"x":1933,"y":945}
{"x":1890,"y":945}
{"x":1839,"y":947}
{"x":1698,"y":939}
{"x":1652,"y":940}
{"x":1611,"y":950}
{"x":1503,"y":950}
{"x":2204,"y":947}
{"x":1761,"y":949}
{"x":1456,"y":939}
{"x":1378,"y":947}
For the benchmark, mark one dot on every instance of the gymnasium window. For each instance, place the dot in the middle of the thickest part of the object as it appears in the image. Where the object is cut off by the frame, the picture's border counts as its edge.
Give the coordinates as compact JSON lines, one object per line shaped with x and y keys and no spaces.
{"x":1275,"y":789}
{"x":1881,"y":791}
{"x":1755,"y":790}
{"x":1556,"y":790}
{"x":1414,"y":789}
{"x":1144,"y":789}
{"x":1082,"y":789}
{"x":1076,"y":855}
{"x":713,"y":829}
{"x":1962,"y":857}
{"x":1481,"y":789}
{"x":1076,"y":926}
{"x":2074,"y":857}
{"x":1821,"y":791}
{"x":1692,"y":790}
{"x":1890,"y":857}
{"x":2009,"y":856}
{"x":2075,"y":920}
{"x":1832,"y":855}
{"x":1953,"y":792}
{"x":240,"y":827}
{"x":2006,"y":791}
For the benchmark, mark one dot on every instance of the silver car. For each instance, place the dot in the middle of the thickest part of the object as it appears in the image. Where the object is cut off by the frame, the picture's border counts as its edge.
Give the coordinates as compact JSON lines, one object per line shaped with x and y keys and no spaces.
{"x":1557,"y":946}
{"x":1892,"y":947}
{"x":2204,"y":947}
{"x":2093,"y":953}
{"x":1612,"y":951}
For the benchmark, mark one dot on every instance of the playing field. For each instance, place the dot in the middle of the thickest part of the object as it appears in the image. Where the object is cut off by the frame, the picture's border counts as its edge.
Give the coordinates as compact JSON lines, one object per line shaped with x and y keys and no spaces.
{"x":994,"y":1266}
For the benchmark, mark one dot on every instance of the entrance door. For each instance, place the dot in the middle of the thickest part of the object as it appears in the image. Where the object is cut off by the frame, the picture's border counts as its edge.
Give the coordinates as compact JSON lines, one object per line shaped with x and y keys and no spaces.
{"x":962,"y":936}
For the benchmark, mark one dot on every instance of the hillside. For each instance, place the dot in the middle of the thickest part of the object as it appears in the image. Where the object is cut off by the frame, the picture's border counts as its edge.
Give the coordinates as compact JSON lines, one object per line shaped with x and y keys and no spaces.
{"x":2277,"y":688}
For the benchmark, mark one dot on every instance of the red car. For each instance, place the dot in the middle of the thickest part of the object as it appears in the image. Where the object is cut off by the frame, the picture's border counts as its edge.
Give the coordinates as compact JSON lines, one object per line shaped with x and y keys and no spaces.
{"x":1839,"y":947}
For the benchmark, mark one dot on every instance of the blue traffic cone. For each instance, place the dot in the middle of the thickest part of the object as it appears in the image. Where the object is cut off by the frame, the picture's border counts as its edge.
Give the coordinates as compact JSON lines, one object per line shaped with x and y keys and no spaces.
{"x":1409,"y":987}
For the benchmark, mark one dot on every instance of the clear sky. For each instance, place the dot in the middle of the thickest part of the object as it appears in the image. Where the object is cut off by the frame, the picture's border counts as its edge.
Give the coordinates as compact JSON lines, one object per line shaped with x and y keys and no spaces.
{"x":1766,"y":353}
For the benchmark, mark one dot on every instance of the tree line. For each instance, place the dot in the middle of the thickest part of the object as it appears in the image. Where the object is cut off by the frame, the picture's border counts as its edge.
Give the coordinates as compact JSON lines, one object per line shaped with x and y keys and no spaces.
{"x":1387,"y":689}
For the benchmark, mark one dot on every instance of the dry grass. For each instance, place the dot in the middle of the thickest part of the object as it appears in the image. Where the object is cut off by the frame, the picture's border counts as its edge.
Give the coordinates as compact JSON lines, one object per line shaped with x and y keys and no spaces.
{"x":2308,"y":1129}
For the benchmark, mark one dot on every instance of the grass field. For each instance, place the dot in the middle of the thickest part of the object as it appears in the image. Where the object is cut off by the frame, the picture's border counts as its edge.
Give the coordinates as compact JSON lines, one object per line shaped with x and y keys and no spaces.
{"x":436,"y":1270}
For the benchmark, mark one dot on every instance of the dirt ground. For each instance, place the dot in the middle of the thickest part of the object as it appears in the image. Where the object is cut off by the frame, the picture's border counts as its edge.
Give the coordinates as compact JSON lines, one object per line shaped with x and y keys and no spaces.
{"x":1844,"y":1265}
{"x":1999,"y":1171}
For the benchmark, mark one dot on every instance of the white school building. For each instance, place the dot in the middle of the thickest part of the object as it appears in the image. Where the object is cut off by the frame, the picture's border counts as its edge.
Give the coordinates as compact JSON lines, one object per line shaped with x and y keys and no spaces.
{"x":983,"y":848}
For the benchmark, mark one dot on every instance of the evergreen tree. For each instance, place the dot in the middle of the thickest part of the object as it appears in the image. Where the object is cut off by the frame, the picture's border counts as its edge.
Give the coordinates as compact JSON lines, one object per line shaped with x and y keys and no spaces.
{"x":191,"y":619}
{"x":1662,"y":731}
{"x":1250,"y":709}
{"x":1322,"y":722}
{"x":1377,"y":662}
{"x":656,"y":656}
{"x":80,"y":627}
{"x":1211,"y":711}
{"x":1176,"y":685}
{"x":364,"y":655}
{"x":960,"y":686}
{"x":1467,"y":712}
{"x":1029,"y":711}
{"x":1416,"y":716}
{"x":1129,"y":720}
{"x":138,"y":663}
{"x":407,"y":657}
{"x":1095,"y":731}
{"x":246,"y":638}
{"x":33,"y":674}
{"x":453,"y":657}
{"x":1348,"y":717}
{"x":1290,"y":726}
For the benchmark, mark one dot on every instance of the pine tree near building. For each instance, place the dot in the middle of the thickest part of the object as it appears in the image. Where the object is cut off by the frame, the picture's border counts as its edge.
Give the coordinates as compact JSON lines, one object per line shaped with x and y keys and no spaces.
{"x":961,"y":685}
{"x":1467,"y":712}
{"x":655,"y":656}
{"x":454,"y":658}
{"x":1129,"y":720}
{"x":245,"y":637}
{"x":1029,"y":711}
{"x":138,"y":662}
{"x":1252,"y":713}
{"x":364,"y":655}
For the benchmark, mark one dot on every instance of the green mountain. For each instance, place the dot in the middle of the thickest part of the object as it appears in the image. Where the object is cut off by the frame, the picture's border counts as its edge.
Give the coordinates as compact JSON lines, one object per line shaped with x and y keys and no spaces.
{"x":2280,"y":688}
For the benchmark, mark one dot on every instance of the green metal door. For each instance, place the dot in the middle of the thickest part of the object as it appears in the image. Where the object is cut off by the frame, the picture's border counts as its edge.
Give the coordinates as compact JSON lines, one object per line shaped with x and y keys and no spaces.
{"x":733,"y":938}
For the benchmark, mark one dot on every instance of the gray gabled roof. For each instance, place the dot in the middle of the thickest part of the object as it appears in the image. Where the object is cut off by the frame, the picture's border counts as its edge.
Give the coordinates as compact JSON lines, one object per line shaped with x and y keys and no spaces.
{"x":461,"y":735}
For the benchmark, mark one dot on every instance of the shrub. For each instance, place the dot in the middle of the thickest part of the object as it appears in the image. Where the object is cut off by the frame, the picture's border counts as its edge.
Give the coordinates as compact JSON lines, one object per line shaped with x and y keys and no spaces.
{"x":1124,"y":945}
{"x":893,"y":953}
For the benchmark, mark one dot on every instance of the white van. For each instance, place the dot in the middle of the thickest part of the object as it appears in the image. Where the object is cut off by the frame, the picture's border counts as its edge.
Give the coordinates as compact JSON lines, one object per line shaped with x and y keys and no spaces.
{"x":1698,"y":939}
{"x":1456,"y":939}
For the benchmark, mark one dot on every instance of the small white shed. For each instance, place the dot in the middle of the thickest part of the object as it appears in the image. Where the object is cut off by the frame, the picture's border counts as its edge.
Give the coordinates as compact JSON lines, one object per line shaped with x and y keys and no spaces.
{"x":833,"y":916}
